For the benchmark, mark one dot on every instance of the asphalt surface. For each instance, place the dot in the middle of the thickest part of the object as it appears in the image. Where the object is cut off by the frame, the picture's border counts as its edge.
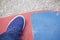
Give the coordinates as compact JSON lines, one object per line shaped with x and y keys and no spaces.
{"x":12,"y":7}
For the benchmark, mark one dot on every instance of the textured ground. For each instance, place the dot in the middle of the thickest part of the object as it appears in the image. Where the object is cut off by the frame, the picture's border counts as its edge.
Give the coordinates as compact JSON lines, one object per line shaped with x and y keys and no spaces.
{"x":10,"y":7}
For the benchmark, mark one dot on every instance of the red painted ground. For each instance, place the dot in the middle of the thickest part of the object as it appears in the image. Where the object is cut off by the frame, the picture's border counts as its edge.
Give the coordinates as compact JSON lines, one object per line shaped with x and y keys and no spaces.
{"x":27,"y":33}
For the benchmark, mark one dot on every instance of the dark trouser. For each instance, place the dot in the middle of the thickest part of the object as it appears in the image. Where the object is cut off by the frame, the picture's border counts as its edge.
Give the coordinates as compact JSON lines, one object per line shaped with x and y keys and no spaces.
{"x":9,"y":36}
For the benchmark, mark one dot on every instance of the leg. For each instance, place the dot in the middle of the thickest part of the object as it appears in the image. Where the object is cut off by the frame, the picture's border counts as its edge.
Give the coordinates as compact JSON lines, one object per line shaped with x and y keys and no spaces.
{"x":14,"y":29}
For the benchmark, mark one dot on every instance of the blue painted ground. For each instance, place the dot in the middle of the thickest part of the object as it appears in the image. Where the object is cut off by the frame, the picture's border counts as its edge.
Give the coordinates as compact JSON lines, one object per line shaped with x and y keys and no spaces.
{"x":46,"y":25}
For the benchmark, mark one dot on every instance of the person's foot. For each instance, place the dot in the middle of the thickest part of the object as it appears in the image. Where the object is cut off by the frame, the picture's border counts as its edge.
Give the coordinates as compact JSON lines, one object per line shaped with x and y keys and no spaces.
{"x":16,"y":25}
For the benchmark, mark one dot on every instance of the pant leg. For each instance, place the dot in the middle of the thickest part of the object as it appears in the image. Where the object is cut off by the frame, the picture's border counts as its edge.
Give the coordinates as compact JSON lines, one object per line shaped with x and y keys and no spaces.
{"x":9,"y":36}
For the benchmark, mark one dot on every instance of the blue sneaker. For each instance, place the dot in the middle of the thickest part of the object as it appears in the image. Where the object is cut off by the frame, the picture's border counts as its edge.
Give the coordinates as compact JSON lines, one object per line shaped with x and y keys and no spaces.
{"x":14,"y":29}
{"x":16,"y":25}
